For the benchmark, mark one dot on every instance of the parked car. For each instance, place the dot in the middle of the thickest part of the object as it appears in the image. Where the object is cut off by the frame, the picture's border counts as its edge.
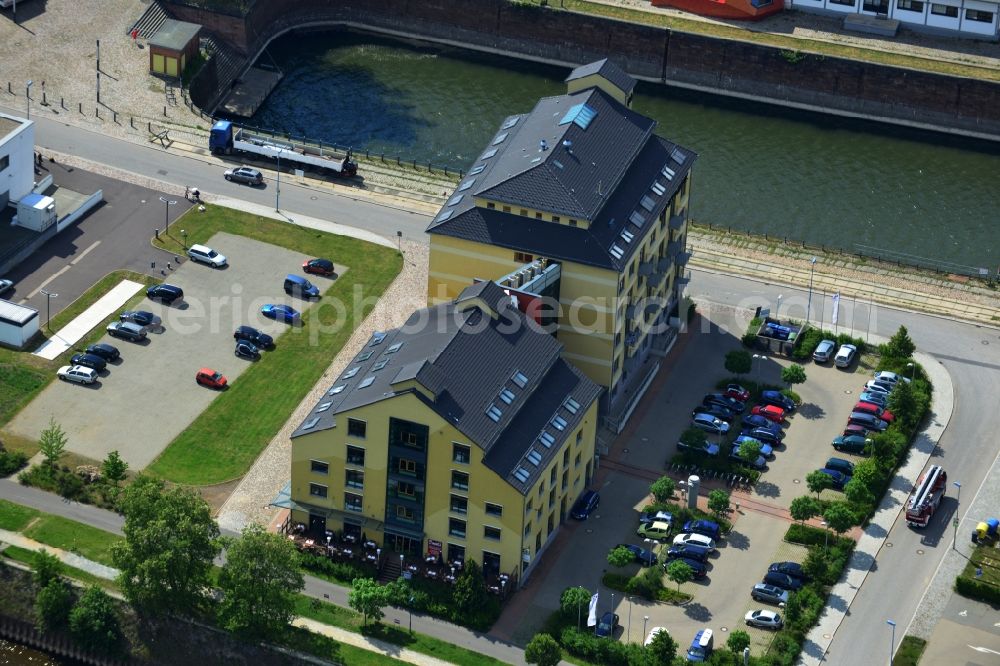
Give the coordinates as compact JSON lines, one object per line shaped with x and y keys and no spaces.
{"x":644,"y":557}
{"x":867,"y":420}
{"x":824,"y":351}
{"x":248,"y":350}
{"x":657,"y":531}
{"x":724,"y":400}
{"x":254,"y":336}
{"x":757,"y":421}
{"x":283,"y":313}
{"x":140,"y":317}
{"x":709,"y":423}
{"x":211,"y":378}
{"x":688,"y":551}
{"x":784,"y":581}
{"x":700,"y":569}
{"x":769,"y":593}
{"x":718,"y":411}
{"x":165,"y":293}
{"x":850,"y":444}
{"x":840,"y":465}
{"x":793,"y":569}
{"x":874,"y":397}
{"x":778,"y":399}
{"x":607,"y":625}
{"x":764,"y":619}
{"x":766,"y":450}
{"x":104,"y":350}
{"x":296,"y":285}
{"x":878,"y":411}
{"x":92,"y":361}
{"x":769,"y":412}
{"x":77,"y":374}
{"x":706,"y":527}
{"x":758,"y":463}
{"x":878,"y":387}
{"x":6,"y":285}
{"x":651,"y":636}
{"x":701,"y":646}
{"x":318,"y":266}
{"x":889,"y":377}
{"x":206,"y":255}
{"x":737,"y":392}
{"x":852,"y":430}
{"x":126,"y":330}
{"x":696,"y":539}
{"x":764,"y":435}
{"x":647,"y":517}
{"x":245,"y":175}
{"x":839,"y":478}
{"x":586,"y":504}
{"x":706,"y":447}
{"x":845,"y":356}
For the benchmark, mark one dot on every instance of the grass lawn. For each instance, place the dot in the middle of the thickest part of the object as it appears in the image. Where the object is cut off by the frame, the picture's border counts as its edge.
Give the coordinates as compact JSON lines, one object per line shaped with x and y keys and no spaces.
{"x":909,"y":651}
{"x":817,"y":47}
{"x":988,"y":559}
{"x":303,"y":640}
{"x":58,"y":532}
{"x":27,"y":557}
{"x":222,"y":443}
{"x":15,"y":517}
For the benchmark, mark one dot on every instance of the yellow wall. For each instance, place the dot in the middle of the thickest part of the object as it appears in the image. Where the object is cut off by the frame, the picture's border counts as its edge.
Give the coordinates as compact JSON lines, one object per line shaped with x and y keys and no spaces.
{"x":158,"y":66}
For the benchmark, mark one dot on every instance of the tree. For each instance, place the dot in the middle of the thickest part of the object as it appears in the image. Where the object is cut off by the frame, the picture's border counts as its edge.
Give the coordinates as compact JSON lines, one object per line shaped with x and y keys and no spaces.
{"x":803,"y":508}
{"x":543,"y":650}
{"x":858,"y":493}
{"x":904,"y":405}
{"x":739,"y":362}
{"x":573,"y":601}
{"x":839,"y":517}
{"x":900,"y":346}
{"x":816,"y":564}
{"x":662,"y":649}
{"x":47,"y":567}
{"x":93,"y":621}
{"x":52,"y":443}
{"x":680,"y":572}
{"x":170,"y":541}
{"x":663,"y":488}
{"x":620,"y":556}
{"x":113,"y":468}
{"x":368,"y":598}
{"x":694,"y":437}
{"x":793,"y":374}
{"x":469,"y":592}
{"x":737,"y":641}
{"x":749,"y":450}
{"x":817,"y":482}
{"x":261,"y":580}
{"x":718,"y":502}
{"x":53,"y":604}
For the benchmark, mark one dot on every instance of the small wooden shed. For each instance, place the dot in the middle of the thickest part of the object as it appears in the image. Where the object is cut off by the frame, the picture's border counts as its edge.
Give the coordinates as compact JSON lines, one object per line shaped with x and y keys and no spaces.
{"x":173,"y":46}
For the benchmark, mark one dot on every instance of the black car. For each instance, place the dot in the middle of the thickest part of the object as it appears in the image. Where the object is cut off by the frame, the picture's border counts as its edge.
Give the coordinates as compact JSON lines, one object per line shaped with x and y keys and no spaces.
{"x":688,"y":551}
{"x":140,"y":317}
{"x":105,"y":351}
{"x":718,"y":411}
{"x":700,"y":569}
{"x":253,"y":336}
{"x":793,"y":569}
{"x":587,"y":504}
{"x":247,"y":350}
{"x":644,"y":557}
{"x":89,"y":361}
{"x":724,"y":400}
{"x":166,"y":293}
{"x":778,"y":399}
{"x":764,"y":435}
{"x":784,"y":581}
{"x":606,"y":627}
{"x":126,"y":330}
{"x":318,"y":266}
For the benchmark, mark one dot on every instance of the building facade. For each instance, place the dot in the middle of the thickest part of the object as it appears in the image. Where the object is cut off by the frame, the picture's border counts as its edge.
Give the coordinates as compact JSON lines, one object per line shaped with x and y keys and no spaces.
{"x":970,"y":18}
{"x":581,"y":181}
{"x":462,"y":433}
{"x":17,"y":158}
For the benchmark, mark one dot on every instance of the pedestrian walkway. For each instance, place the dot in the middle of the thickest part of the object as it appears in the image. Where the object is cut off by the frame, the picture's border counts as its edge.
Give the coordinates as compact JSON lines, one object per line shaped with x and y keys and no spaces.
{"x":70,"y":559}
{"x":74,"y":331}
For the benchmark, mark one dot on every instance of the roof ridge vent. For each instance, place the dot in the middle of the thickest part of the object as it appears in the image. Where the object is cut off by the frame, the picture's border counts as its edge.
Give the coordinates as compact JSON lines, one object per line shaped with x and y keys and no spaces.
{"x":543,"y":145}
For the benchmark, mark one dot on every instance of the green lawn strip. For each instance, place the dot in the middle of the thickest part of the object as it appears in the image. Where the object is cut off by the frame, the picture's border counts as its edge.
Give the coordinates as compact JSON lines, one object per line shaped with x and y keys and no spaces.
{"x":27,"y":557}
{"x":909,"y":652}
{"x":986,"y":558}
{"x":780,"y":41}
{"x":303,"y":640}
{"x":15,"y":517}
{"x":59,"y":532}
{"x":222,"y":443}
{"x":344,"y":618}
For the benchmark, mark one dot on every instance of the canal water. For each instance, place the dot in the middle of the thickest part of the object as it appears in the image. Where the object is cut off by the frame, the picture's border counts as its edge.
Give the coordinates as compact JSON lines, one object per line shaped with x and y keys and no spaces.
{"x":14,"y":654}
{"x":819,"y":179}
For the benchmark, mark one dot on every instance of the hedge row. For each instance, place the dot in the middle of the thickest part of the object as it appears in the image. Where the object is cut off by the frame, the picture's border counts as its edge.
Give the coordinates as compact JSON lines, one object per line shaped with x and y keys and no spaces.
{"x":977,"y":589}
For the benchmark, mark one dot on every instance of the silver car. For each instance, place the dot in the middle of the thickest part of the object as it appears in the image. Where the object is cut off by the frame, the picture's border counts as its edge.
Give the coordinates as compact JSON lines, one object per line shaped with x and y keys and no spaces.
{"x":5,"y":286}
{"x":206,"y":255}
{"x":78,"y":374}
{"x":709,"y":423}
{"x":245,"y":174}
{"x":824,"y":351}
{"x":845,"y":356}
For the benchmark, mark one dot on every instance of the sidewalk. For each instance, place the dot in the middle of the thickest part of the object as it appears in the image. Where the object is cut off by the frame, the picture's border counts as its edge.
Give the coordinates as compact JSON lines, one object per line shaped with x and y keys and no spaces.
{"x":81,"y":325}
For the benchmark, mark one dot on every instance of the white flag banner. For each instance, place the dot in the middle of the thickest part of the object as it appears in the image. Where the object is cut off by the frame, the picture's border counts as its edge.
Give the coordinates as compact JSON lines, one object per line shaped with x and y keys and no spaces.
{"x":592,"y":613}
{"x":836,"y":308}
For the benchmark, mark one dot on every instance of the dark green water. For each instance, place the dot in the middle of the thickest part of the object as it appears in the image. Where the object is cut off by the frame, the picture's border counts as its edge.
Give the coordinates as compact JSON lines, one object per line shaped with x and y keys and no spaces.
{"x":815,"y":178}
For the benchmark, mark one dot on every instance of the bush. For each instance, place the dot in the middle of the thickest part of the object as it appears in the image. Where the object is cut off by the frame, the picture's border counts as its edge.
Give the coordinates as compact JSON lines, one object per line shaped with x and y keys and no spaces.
{"x":814,"y":536}
{"x":749,"y":338}
{"x":11,"y":461}
{"x":93,"y":621}
{"x":647,"y":584}
{"x":976,"y":589}
{"x":53,"y":604}
{"x":342,"y":571}
{"x":599,"y":650}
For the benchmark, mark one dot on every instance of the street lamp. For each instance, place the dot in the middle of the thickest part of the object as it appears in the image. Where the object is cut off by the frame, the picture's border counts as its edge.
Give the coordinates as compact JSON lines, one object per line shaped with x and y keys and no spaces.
{"x":912,"y":369}
{"x":277,"y":187}
{"x":954,"y":523}
{"x":756,"y":358}
{"x":645,"y":619}
{"x":892,"y":644}
{"x":401,"y":566}
{"x":167,"y":203}
{"x":184,"y":235}
{"x":826,"y":534}
{"x":777,"y":308}
{"x":629,"y":623}
{"x":812,"y":269}
{"x":27,"y":97}
{"x":410,"y":609}
{"x":48,"y":310}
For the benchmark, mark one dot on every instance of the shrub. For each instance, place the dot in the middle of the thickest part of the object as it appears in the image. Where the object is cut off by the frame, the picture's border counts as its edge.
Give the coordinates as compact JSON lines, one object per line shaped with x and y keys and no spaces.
{"x":53,"y":604}
{"x":749,"y":338}
{"x":93,"y":621}
{"x":814,"y":536}
{"x":11,"y":461}
{"x":976,"y":589}
{"x":647,"y":584}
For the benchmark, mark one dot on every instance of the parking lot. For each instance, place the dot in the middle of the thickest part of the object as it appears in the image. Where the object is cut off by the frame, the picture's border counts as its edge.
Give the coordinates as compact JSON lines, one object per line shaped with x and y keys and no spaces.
{"x":721,"y":599}
{"x":145,"y":399}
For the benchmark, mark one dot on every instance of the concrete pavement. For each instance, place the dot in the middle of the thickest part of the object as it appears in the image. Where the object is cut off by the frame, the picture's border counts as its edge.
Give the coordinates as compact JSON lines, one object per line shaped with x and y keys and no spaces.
{"x":81,"y":325}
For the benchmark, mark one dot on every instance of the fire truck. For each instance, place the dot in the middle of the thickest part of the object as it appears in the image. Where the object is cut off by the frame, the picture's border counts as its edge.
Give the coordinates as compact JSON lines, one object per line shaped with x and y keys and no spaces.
{"x":926,"y":497}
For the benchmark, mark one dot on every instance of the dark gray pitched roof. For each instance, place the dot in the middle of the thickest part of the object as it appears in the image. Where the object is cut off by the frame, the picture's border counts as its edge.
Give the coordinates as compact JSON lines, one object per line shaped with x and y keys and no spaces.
{"x":465,"y":357}
{"x":608,"y":70}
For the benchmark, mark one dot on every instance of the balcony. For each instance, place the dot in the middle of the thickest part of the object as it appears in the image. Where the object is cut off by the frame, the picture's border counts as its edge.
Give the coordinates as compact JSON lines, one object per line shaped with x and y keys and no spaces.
{"x":630,"y":311}
{"x":682,"y":280}
{"x":647,"y":268}
{"x":663,"y":264}
{"x":682,"y":258}
{"x":673,"y":248}
{"x":677,"y":221}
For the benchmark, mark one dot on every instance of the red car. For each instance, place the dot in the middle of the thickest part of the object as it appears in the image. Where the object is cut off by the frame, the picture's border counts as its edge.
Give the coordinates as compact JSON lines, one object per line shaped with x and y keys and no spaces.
{"x":737,"y":392}
{"x":211,"y":378}
{"x":860,"y":431}
{"x":318,"y":266}
{"x":872,"y":408}
{"x":769,"y":412}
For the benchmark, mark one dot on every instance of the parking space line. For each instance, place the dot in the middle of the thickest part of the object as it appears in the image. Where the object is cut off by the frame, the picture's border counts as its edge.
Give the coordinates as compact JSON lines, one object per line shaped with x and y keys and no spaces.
{"x":47,"y":281}
{"x":84,"y":253}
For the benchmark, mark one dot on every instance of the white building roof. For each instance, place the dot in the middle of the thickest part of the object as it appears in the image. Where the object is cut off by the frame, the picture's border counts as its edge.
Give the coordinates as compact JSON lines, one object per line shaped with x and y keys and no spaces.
{"x":18,"y":315}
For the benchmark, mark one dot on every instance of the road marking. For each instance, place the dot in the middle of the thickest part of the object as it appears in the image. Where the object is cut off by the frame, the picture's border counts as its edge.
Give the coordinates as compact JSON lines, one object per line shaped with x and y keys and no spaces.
{"x":963,"y":613}
{"x":982,"y":649}
{"x":84,"y":253}
{"x":50,"y":279}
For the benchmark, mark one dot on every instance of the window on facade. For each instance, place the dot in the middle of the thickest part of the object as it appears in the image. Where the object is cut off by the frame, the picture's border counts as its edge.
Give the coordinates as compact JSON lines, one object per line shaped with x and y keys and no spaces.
{"x":410,"y":439}
{"x":490,"y":205}
{"x":460,"y":480}
{"x":523,"y":212}
{"x":319,"y":467}
{"x":404,"y":489}
{"x":846,"y":3}
{"x":910,"y":5}
{"x":565,"y":479}
{"x":407,"y":466}
{"x":459,"y":504}
{"x":353,"y":502}
{"x":576,"y":462}
{"x":555,"y":218}
{"x":404,"y":513}
{"x":552,"y":476}
{"x":527,"y":529}
{"x":355,"y":456}
{"x":356,"y":428}
{"x":978,"y":15}
{"x":354,"y":479}
{"x":579,"y":436}
{"x":494,"y":509}
{"x":506,"y":209}
{"x":4,"y":162}
{"x":552,"y":498}
{"x":461,"y":453}
{"x":944,"y":10}
{"x":523,"y":258}
{"x":566,"y":457}
{"x":491,"y":533}
{"x":317,"y":490}
{"x":456,"y":527}
{"x":572,"y":223}
{"x":538,"y":216}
